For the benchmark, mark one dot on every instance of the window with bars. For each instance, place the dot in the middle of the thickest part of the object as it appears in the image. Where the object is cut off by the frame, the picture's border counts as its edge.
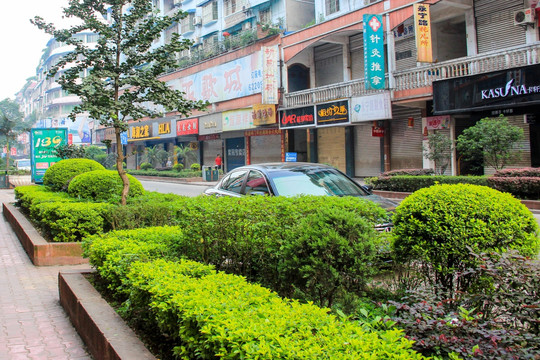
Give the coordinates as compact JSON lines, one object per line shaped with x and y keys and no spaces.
{"x":265,"y":16}
{"x":186,"y":24}
{"x":332,"y":6}
{"x":210,"y":12}
{"x":232,"y":6}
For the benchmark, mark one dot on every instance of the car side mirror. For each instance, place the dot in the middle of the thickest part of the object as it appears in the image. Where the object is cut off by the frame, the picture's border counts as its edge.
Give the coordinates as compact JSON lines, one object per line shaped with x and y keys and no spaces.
{"x":368,"y":188}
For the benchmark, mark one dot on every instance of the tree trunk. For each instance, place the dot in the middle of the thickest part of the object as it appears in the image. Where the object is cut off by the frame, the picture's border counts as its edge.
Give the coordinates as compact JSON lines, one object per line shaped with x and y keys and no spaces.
{"x":120,"y":166}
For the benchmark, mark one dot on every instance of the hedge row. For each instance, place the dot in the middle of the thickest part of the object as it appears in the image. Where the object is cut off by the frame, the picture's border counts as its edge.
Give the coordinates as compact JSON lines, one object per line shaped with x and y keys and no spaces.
{"x":408,"y":183}
{"x":314,"y":248}
{"x":521,"y":187}
{"x":61,"y":217}
{"x":210,"y":314}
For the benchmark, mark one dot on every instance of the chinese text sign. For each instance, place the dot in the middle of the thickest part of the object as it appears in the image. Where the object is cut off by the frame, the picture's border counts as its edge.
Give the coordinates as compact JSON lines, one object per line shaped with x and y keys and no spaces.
{"x":374,"y":52}
{"x":423,"y":33}
{"x":44,"y":143}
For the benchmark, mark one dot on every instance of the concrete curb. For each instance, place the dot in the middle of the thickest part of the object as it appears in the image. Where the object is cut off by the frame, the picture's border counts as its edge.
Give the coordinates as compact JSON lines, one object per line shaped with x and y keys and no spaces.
{"x":104,"y":332}
{"x":38,"y":249}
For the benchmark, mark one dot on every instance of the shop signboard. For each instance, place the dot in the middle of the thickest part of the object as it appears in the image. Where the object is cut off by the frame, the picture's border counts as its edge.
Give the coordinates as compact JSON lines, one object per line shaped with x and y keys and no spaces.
{"x":371,"y":108}
{"x":210,"y":124}
{"x":291,"y":156}
{"x":374,"y":52}
{"x":187,"y":127}
{"x":438,"y":122}
{"x":334,"y":113}
{"x":241,"y":119}
{"x":505,"y":89}
{"x":43,"y":155}
{"x":264,"y":114}
{"x":377,"y":131}
{"x":295,"y":118}
{"x":423,"y":33}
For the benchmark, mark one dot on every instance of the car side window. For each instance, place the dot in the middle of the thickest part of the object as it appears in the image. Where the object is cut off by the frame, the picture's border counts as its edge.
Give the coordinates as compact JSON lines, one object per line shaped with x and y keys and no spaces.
{"x":256,"y":183}
{"x":234,"y":182}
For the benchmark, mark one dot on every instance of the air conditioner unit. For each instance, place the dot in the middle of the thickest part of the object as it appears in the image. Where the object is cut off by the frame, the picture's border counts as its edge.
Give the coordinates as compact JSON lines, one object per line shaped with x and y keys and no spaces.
{"x":197,"y":20}
{"x":524,"y":17}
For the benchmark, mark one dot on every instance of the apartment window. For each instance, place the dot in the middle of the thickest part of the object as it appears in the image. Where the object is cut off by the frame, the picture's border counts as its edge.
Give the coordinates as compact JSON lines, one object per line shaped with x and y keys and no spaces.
{"x":186,"y":24}
{"x":332,"y":6}
{"x":232,"y":6}
{"x":93,"y":38}
{"x":169,"y":33}
{"x":210,"y":12}
{"x":265,"y":16}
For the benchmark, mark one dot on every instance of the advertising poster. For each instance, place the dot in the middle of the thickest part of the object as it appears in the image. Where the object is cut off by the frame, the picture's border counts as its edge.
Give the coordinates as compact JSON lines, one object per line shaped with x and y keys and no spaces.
{"x":43,"y":155}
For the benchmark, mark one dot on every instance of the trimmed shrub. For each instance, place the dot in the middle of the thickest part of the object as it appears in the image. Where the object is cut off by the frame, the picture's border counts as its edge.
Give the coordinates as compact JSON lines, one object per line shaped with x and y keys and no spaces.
{"x":410,"y":172}
{"x":102,"y":185}
{"x":29,"y":196}
{"x":438,"y":225}
{"x":146,"y":166}
{"x":178,"y":167}
{"x":521,"y":187}
{"x":58,"y":176}
{"x":66,"y":222}
{"x":195,"y":167}
{"x":407,"y":183}
{"x":521,"y":172}
{"x":219,"y":315}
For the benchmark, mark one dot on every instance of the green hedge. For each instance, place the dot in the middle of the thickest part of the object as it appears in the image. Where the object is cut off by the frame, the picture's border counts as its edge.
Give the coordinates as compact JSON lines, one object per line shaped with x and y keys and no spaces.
{"x":28,"y":196}
{"x":166,"y":173}
{"x":407,"y":183}
{"x":102,"y":185}
{"x":211,"y":314}
{"x":58,"y":176}
{"x":66,"y":222}
{"x":296,"y":246}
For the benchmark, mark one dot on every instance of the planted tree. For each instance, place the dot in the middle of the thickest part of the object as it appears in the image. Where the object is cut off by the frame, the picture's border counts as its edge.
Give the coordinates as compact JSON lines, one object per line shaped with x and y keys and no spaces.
{"x":12,"y":124}
{"x":123,"y":66}
{"x":439,"y":150}
{"x":492,"y":141}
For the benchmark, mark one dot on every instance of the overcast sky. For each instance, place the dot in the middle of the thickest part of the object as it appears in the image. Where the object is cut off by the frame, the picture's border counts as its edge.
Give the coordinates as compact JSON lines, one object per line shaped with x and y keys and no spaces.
{"x":23,"y":43}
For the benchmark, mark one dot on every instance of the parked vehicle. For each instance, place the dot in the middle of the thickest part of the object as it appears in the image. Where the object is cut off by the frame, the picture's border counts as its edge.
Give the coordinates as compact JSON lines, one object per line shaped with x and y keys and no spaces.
{"x":292,"y":179}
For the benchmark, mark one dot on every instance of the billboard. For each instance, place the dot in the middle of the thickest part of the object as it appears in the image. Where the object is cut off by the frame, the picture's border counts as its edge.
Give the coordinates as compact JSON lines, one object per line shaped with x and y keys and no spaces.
{"x":44,"y":142}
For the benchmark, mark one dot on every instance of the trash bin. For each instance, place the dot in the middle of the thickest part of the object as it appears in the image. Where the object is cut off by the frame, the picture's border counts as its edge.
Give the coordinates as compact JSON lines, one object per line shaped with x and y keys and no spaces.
{"x":215,"y":174}
{"x":207,"y":173}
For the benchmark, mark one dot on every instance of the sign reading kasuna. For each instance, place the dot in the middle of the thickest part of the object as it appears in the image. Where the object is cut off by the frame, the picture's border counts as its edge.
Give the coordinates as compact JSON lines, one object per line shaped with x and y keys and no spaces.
{"x":44,"y":142}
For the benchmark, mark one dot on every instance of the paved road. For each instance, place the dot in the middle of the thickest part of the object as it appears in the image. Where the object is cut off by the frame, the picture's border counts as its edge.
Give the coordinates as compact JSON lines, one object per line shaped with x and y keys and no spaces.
{"x":175,"y":188}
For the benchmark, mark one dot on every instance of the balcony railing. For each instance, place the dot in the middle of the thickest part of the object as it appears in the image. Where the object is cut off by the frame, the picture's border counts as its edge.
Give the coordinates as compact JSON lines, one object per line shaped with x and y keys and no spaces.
{"x":422,"y":76}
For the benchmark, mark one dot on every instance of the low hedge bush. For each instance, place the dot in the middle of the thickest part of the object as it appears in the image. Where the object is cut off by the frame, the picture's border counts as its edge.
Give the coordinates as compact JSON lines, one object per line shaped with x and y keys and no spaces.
{"x":28,"y":196}
{"x":218,"y":315}
{"x":102,"y":185}
{"x":521,"y":187}
{"x":167,"y":173}
{"x":438,"y":227}
{"x":520,"y":172}
{"x":66,"y":222}
{"x":410,"y":172}
{"x":58,"y":176}
{"x":146,"y":166}
{"x":408,"y":183}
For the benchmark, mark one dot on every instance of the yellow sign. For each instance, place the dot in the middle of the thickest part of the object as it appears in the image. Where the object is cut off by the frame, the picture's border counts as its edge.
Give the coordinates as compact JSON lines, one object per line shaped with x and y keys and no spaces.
{"x":164,"y":128}
{"x":422,"y":29}
{"x":141,"y":132}
{"x":264,"y":114}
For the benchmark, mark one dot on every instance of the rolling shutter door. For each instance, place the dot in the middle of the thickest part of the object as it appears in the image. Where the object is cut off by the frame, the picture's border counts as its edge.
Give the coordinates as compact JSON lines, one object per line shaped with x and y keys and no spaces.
{"x":406,"y":143}
{"x":328,"y":64}
{"x":331,"y":146}
{"x":495,"y":27}
{"x":367,"y":151}
{"x":405,"y":53}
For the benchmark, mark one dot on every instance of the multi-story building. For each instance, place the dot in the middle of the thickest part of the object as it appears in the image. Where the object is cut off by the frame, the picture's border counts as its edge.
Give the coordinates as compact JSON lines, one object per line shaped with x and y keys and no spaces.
{"x":301,"y":77}
{"x":43,"y":98}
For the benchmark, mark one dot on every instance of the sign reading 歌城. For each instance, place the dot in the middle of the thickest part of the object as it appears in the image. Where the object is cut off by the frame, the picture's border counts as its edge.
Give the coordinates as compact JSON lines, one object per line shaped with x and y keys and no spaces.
{"x":374,"y":52}
{"x":43,"y":155}
{"x":423,"y":33}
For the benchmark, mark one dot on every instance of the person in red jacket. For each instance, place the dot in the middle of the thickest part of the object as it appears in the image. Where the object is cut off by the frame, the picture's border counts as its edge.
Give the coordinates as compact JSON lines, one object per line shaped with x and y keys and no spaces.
{"x":218,"y":161}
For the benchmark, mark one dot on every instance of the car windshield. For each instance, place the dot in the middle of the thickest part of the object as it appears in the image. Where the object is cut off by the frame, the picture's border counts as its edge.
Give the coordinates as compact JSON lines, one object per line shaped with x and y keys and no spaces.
{"x":315,"y":182}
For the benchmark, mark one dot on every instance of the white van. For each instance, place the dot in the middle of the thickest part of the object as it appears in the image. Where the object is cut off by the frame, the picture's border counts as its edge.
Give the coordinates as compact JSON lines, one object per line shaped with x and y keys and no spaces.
{"x":22,"y":164}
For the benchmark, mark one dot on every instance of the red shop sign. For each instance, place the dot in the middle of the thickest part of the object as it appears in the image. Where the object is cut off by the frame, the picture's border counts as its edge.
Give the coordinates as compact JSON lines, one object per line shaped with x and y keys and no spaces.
{"x":377,"y":131}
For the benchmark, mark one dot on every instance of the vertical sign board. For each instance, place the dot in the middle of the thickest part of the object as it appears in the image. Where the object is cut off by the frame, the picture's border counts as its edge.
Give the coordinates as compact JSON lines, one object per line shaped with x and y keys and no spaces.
{"x":43,"y":155}
{"x":374,"y":52}
{"x":422,"y":25}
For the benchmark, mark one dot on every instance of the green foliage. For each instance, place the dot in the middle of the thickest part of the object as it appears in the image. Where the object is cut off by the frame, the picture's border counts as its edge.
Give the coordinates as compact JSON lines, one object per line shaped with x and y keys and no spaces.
{"x":206,"y":313}
{"x":195,"y":167}
{"x":70,"y":151}
{"x":58,"y":176}
{"x":435,"y":226}
{"x":29,"y":196}
{"x":66,"y":222}
{"x":146,"y":166}
{"x":102,"y":185}
{"x":12,"y":124}
{"x":178,"y":167}
{"x":166,"y":173}
{"x":491,"y":141}
{"x":184,"y":155}
{"x":439,"y":150}
{"x":124,"y":63}
{"x":156,"y":156}
{"x":408,"y":183}
{"x":94,"y":152}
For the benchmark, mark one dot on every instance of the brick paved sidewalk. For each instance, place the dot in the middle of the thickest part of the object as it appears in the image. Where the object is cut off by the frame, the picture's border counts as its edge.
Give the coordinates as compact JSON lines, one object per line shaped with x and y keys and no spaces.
{"x":33,"y":325}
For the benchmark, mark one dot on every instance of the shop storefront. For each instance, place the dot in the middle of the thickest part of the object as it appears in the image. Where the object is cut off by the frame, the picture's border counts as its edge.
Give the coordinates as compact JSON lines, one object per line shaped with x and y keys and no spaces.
{"x":265,"y":143}
{"x":295,"y":124}
{"x":514,"y":93}
{"x":369,"y":115}
{"x":145,"y":134}
{"x":187,"y":133}
{"x":210,"y":141}
{"x":235,"y":122}
{"x":332,"y":144}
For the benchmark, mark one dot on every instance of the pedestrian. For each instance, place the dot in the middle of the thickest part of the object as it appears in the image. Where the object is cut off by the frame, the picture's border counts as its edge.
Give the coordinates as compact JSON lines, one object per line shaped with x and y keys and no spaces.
{"x":218,"y":162}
